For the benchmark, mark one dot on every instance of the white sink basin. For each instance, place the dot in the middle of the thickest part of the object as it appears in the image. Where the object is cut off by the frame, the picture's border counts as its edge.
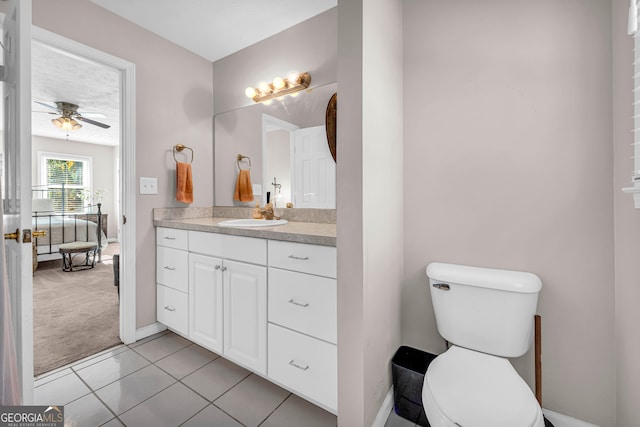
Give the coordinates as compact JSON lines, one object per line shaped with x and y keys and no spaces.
{"x":252,"y":222}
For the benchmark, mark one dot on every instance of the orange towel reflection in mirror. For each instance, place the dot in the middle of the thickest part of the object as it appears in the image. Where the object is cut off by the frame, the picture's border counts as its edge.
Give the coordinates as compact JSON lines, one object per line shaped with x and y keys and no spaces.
{"x":244,"y":191}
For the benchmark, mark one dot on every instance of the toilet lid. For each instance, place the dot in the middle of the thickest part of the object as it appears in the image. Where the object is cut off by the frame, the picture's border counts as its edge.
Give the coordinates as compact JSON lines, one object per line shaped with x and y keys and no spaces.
{"x":480,"y":390}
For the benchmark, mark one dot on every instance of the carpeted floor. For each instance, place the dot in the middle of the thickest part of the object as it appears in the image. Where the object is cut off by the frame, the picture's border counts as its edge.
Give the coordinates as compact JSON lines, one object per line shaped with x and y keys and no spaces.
{"x":75,"y":314}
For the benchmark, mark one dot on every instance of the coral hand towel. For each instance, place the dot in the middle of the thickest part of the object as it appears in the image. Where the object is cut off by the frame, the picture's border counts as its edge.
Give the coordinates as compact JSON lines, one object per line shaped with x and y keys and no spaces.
{"x":244,"y":190}
{"x":184,"y":185}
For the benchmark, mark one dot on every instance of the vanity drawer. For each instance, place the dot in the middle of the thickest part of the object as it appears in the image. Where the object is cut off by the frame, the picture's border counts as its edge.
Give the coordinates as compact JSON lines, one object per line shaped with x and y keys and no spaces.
{"x":306,"y":365}
{"x":172,"y":309}
{"x":303,"y":302}
{"x":172,"y":268}
{"x":312,"y":259}
{"x":239,"y":248}
{"x":172,"y":238}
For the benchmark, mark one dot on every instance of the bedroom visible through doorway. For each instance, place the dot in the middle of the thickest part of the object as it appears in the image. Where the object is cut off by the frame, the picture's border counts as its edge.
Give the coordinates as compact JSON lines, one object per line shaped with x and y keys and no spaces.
{"x":76,"y":151}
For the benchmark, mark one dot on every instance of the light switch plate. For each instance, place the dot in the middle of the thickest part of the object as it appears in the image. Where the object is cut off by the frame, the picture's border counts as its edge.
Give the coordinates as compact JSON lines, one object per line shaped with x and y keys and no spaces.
{"x":257,"y":189}
{"x":148,"y":185}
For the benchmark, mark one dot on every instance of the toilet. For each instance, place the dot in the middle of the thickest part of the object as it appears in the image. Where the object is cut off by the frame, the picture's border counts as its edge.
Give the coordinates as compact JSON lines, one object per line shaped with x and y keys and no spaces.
{"x":486,"y":315}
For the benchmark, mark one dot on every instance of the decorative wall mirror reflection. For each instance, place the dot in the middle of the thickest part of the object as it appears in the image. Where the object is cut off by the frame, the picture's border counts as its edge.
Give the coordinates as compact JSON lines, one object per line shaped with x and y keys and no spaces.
{"x":286,"y":140}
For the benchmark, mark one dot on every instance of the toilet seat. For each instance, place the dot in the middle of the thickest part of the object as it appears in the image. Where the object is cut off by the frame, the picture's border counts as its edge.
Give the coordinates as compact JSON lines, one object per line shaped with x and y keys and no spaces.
{"x":471,"y":389}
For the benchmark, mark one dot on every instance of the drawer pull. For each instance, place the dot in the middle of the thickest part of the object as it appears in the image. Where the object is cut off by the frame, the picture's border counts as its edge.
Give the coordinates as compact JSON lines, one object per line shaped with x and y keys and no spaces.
{"x":168,"y":308}
{"x":166,"y":267}
{"x":298,"y":365}
{"x":299,"y":258}
{"x":298,"y":303}
{"x":169,"y":238}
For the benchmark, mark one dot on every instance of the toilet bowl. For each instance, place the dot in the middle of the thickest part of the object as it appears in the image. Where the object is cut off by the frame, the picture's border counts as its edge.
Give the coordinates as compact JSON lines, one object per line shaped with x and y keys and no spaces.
{"x":486,"y":315}
{"x":472,"y":389}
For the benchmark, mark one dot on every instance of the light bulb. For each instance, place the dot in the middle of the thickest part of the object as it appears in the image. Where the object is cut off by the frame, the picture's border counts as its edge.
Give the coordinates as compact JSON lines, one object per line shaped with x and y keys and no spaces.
{"x":294,"y":94}
{"x":278,"y":83}
{"x":264,"y":87}
{"x":58,"y":122}
{"x":267,"y":102}
{"x":294,"y":78}
{"x":250,"y":92}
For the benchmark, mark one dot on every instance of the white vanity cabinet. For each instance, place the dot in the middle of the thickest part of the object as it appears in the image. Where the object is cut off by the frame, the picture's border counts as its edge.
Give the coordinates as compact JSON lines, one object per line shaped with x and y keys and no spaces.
{"x":276,"y":318}
{"x":303,"y":320}
{"x":228,"y":296}
{"x":172,"y":284}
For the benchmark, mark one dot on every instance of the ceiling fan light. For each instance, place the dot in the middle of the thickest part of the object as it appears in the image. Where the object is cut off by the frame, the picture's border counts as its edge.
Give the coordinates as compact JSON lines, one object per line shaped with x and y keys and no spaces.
{"x":74,"y":125}
{"x":57,"y":122}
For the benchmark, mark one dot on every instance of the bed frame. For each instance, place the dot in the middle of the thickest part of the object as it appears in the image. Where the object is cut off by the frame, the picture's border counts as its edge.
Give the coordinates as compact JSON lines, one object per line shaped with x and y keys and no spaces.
{"x":79,"y":231}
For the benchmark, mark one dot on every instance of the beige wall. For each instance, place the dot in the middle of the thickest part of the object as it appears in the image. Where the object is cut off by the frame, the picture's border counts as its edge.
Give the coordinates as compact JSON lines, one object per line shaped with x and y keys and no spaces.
{"x":627,"y":228}
{"x":103,"y":160}
{"x":370,"y":249}
{"x":174,"y":104}
{"x":508,"y":164}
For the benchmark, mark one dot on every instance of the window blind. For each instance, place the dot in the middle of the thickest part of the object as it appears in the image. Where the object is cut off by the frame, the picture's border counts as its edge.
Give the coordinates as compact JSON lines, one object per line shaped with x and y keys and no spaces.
{"x":635,"y":189}
{"x":65,"y":184}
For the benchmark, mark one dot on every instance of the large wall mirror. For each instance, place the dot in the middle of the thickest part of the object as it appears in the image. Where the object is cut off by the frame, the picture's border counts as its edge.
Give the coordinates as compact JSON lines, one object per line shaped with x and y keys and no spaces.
{"x":287,"y":144}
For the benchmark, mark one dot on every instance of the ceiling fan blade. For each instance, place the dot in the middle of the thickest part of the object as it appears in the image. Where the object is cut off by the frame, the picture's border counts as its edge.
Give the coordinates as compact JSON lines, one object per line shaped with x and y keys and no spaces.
{"x":47,"y":105}
{"x":91,"y":122}
{"x":92,"y":115}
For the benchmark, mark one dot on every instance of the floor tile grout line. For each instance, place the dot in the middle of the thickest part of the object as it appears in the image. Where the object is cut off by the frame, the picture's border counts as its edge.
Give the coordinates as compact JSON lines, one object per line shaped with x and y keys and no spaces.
{"x":276,"y":408}
{"x":230,"y":388}
{"x":117,"y":379}
{"x":153,"y":395}
{"x":163,"y":357}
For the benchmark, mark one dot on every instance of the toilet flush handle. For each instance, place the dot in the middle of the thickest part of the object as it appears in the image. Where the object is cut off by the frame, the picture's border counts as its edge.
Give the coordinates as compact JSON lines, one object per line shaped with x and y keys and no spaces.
{"x":441,"y":286}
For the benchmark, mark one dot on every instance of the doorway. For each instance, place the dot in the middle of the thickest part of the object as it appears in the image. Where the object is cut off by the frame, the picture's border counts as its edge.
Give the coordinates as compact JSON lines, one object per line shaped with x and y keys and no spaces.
{"x":119,"y":203}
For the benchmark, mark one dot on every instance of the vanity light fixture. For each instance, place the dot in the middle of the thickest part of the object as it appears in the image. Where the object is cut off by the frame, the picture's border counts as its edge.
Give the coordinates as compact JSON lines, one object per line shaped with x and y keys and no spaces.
{"x":279,"y":87}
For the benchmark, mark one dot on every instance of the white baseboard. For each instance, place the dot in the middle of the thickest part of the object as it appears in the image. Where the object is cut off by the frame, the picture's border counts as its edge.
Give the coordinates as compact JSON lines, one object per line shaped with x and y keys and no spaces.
{"x":149,"y":330}
{"x":386,"y":407}
{"x":560,"y":420}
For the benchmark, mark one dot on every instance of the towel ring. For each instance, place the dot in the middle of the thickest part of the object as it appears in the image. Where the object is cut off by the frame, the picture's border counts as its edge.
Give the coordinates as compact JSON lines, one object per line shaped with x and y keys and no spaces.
{"x":240,"y":157}
{"x":179,"y":148}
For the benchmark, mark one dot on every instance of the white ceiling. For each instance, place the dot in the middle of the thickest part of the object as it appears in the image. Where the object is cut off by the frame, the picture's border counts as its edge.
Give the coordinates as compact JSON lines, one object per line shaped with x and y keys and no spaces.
{"x":212,"y":29}
{"x":59,"y":76}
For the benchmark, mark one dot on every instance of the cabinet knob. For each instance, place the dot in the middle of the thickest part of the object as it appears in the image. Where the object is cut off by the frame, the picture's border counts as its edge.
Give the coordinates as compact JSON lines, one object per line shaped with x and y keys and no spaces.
{"x":217,"y":267}
{"x":223,"y":268}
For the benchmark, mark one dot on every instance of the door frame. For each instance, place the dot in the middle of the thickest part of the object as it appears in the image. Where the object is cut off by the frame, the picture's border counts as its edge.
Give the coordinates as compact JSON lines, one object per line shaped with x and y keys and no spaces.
{"x":126,"y":179}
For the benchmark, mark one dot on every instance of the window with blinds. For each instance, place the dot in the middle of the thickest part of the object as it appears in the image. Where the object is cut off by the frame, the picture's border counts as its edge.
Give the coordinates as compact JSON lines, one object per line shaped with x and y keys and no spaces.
{"x":635,"y":189}
{"x":65,"y":181}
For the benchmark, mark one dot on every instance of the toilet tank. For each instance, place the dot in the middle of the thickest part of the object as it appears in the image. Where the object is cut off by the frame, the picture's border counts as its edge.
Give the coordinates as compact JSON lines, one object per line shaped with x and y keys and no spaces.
{"x":484,"y":309}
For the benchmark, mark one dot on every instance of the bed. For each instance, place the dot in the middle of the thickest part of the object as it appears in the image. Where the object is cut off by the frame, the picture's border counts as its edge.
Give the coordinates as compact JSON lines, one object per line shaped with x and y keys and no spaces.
{"x":65,"y":228}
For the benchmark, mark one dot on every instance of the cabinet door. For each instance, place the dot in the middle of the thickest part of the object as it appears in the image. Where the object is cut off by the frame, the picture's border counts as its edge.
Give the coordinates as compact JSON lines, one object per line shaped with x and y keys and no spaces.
{"x":245,"y":314}
{"x":205,"y":301}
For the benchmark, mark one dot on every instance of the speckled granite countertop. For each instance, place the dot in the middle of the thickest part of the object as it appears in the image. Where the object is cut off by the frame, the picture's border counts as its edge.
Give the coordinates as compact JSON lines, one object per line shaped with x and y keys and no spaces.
{"x":300,"y":232}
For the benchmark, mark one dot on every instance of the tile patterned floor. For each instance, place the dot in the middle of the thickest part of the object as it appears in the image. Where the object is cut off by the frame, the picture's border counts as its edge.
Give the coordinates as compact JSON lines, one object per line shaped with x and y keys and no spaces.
{"x":166,"y":380}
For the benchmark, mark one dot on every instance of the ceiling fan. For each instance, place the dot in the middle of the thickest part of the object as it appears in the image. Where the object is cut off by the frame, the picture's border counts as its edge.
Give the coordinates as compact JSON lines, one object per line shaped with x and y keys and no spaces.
{"x":69,"y":116}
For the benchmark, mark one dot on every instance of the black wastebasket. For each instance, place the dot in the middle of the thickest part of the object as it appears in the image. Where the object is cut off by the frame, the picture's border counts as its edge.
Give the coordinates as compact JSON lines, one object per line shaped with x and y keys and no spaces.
{"x":408,"y":367}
